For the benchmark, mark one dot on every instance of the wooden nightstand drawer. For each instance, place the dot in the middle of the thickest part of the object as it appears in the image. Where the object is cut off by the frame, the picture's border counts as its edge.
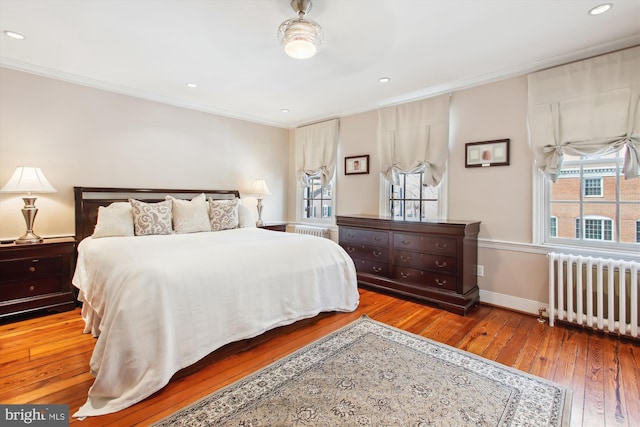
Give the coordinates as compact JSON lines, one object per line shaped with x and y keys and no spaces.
{"x":34,"y":268}
{"x":445,"y":264}
{"x":30,"y":288}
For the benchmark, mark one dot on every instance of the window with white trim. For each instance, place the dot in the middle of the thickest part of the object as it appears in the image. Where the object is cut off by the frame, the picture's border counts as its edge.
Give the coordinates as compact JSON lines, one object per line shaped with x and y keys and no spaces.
{"x":412,"y":201}
{"x":591,"y":204}
{"x":317,"y":201}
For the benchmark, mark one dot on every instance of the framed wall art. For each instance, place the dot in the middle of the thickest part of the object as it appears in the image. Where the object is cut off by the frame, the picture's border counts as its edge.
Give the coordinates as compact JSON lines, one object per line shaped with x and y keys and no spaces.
{"x":487,"y":153}
{"x":356,"y":165}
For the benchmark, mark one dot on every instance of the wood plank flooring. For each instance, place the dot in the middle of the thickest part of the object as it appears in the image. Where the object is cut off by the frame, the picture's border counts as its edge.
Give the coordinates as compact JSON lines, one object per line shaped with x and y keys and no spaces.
{"x":46,"y":359}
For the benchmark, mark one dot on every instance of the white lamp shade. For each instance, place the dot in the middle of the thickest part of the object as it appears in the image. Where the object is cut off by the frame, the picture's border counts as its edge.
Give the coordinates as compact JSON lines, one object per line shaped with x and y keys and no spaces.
{"x":28,"y":180}
{"x":260,"y":188}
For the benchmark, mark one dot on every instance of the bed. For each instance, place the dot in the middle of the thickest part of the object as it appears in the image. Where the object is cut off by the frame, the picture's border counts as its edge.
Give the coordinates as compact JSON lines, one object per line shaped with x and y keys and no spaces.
{"x":159,"y":303}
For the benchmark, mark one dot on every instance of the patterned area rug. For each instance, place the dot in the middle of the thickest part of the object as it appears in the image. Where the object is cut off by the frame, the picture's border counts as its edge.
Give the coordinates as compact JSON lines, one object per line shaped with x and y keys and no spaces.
{"x":369,"y":373}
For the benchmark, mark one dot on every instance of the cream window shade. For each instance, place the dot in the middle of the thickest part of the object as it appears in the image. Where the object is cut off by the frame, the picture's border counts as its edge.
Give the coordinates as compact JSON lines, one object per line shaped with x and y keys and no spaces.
{"x":316,"y":151}
{"x":412,"y":137}
{"x":585,"y":108}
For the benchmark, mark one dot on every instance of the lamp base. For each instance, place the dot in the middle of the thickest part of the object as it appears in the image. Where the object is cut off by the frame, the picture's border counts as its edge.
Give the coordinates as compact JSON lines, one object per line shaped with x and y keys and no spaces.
{"x":28,"y":238}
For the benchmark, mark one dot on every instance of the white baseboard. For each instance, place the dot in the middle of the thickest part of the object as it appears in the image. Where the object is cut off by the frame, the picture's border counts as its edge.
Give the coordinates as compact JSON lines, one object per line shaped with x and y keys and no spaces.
{"x":512,"y":303}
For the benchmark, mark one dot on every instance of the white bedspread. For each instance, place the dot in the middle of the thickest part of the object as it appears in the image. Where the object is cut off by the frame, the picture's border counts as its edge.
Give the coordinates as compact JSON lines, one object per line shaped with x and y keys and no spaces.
{"x":161,"y":303}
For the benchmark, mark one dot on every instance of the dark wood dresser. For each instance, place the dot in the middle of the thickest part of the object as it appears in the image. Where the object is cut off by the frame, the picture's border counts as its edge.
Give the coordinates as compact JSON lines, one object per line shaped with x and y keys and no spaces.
{"x":36,"y":276}
{"x":432,"y":261}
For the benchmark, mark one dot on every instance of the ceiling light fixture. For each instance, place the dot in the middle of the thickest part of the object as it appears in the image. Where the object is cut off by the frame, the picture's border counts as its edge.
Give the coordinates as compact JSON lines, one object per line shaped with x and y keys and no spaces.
{"x":600,"y":9}
{"x":192,"y":85}
{"x":14,"y":35}
{"x":300,"y":37}
{"x":284,"y":110}
{"x":384,"y":79}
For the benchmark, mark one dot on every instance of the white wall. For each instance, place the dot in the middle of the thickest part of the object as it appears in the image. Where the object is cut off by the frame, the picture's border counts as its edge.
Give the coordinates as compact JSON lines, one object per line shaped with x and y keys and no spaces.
{"x":87,"y":137}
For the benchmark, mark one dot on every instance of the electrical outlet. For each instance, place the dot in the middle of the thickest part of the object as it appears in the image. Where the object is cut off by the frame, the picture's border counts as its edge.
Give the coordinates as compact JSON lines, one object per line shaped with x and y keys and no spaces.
{"x":480,"y":270}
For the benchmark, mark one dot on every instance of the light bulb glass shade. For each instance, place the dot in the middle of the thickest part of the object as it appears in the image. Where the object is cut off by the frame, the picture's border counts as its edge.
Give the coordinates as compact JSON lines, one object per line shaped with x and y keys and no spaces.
{"x":28,"y":180}
{"x":300,"y":37}
{"x":260,"y":188}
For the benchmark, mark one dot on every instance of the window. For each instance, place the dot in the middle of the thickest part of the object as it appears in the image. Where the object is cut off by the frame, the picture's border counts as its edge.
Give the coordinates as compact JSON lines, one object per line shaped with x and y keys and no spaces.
{"x":317,"y":201}
{"x":593,"y":187}
{"x":592,"y":204}
{"x":595,"y":229}
{"x":638,"y":231}
{"x":412,"y":201}
{"x":553,"y":226}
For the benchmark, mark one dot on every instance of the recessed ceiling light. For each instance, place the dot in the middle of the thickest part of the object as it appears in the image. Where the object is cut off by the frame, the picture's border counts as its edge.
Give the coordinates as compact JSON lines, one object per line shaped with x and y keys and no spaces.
{"x":192,"y":85}
{"x":284,"y":110}
{"x":384,"y":79}
{"x":14,"y":35}
{"x":600,"y":9}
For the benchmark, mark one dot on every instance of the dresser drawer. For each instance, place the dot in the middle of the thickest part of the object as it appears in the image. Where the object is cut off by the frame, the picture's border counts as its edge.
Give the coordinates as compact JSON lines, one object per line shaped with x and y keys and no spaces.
{"x":364,"y":236}
{"x":371,"y":253}
{"x":419,"y":260}
{"x":371,"y":267}
{"x":30,"y":288}
{"x":431,"y":244}
{"x":31,"y":268}
{"x":428,"y":278}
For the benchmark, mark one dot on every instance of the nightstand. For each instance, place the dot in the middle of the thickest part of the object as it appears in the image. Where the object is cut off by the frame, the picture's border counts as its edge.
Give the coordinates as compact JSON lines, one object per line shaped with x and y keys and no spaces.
{"x":276,"y":226}
{"x":36,"y":276}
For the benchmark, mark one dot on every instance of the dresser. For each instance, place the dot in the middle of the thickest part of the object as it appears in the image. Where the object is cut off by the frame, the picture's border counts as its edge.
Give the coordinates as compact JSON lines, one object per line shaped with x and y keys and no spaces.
{"x":36,"y":276}
{"x":431,"y":261}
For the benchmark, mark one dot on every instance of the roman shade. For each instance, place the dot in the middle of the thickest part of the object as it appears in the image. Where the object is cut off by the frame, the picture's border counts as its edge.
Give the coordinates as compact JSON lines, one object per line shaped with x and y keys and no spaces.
{"x":412,"y":137}
{"x":588,"y":107}
{"x":316,"y":148}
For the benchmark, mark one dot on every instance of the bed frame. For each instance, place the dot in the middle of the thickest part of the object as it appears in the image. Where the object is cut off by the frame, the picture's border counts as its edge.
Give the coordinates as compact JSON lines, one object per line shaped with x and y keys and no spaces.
{"x":89,"y":199}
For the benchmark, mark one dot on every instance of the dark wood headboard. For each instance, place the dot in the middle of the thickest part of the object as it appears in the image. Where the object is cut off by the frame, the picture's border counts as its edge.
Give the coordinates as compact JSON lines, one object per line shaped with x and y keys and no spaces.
{"x":89,"y":199}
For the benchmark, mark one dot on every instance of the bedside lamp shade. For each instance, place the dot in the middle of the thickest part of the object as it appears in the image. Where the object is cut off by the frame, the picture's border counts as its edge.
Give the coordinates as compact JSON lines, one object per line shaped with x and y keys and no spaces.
{"x":28,"y":180}
{"x":260,"y":189}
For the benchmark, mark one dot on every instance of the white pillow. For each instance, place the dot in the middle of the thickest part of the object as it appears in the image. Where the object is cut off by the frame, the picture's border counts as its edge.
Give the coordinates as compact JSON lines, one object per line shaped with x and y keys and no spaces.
{"x":114,"y":220}
{"x":246,"y":216}
{"x":190,"y":216}
{"x":223,"y":214}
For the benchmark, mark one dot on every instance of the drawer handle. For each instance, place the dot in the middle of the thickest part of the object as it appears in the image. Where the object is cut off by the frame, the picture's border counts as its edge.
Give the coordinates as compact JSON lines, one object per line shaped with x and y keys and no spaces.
{"x":32,"y":288}
{"x":405,"y":275}
{"x":406,"y":242}
{"x":32,"y":269}
{"x":441,"y":264}
{"x":351,"y":235}
{"x":405,"y":258}
{"x":376,"y":238}
{"x":376,"y":269}
{"x":439,"y":283}
{"x":441,"y":245}
{"x":350,"y":249}
{"x":377,"y":253}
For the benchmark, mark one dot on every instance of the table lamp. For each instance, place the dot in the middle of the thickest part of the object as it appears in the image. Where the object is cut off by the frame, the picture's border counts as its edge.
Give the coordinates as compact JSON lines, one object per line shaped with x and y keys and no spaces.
{"x":28,"y":180}
{"x":259,"y":188}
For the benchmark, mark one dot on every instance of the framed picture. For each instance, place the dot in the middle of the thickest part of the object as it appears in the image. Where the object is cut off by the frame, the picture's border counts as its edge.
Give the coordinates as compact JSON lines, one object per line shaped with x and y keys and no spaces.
{"x":487,"y":153}
{"x":356,"y":164}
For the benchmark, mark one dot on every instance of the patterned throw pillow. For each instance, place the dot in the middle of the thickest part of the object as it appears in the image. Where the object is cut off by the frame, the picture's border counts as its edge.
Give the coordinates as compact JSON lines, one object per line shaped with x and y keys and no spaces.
{"x":151,"y":218}
{"x":223,"y":214}
{"x":190,"y":216}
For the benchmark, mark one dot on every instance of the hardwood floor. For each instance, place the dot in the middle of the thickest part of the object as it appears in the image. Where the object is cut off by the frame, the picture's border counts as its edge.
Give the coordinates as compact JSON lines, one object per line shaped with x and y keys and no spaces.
{"x":46,"y":359}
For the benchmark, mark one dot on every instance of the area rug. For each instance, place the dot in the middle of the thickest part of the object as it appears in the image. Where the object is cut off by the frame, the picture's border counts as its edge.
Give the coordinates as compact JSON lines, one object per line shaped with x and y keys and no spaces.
{"x":369,"y":373}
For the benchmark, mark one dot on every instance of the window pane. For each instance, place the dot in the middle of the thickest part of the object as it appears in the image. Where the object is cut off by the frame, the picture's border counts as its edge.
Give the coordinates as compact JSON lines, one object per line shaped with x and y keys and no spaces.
{"x":429,"y":209}
{"x":629,"y":223}
{"x":413,"y":185}
{"x":565,"y":217}
{"x":412,"y":210}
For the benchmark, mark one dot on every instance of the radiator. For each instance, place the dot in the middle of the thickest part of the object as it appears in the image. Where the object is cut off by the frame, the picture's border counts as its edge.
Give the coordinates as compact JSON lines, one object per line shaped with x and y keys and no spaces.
{"x":312,"y":230}
{"x":594,"y":292}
